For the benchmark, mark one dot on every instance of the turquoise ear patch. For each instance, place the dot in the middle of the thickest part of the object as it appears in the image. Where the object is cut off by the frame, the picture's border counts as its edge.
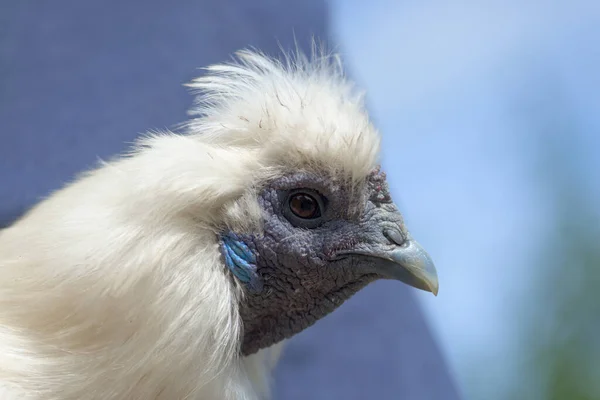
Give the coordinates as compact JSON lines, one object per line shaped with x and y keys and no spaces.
{"x":240,"y":260}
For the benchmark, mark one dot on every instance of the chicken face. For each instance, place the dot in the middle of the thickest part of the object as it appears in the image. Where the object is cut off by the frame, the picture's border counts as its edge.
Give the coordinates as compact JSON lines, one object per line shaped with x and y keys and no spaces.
{"x":324,"y":239}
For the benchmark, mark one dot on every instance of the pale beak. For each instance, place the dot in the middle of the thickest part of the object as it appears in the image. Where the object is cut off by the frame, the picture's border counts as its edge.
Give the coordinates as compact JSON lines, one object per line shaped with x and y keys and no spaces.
{"x":407,"y":262}
{"x":410,"y":264}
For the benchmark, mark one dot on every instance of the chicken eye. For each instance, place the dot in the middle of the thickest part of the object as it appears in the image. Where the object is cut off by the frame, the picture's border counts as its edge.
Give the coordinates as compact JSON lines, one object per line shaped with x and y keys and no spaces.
{"x":304,"y":206}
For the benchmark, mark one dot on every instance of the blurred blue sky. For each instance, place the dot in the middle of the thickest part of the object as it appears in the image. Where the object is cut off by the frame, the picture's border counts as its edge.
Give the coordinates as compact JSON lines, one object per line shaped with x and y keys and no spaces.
{"x":457,"y":89}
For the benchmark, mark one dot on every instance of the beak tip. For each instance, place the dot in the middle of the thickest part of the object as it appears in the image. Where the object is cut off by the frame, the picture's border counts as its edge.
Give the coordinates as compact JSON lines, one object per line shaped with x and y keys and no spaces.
{"x":434,"y":285}
{"x":434,"y":290}
{"x":430,"y":285}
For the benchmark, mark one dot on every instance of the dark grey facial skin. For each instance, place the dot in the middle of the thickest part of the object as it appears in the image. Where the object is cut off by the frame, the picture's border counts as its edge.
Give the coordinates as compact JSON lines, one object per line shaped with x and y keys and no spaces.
{"x":307,"y":272}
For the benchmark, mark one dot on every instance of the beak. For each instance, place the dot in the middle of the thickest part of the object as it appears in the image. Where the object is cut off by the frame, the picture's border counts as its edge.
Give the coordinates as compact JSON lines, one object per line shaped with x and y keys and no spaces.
{"x":410,"y":264}
{"x":407,"y":262}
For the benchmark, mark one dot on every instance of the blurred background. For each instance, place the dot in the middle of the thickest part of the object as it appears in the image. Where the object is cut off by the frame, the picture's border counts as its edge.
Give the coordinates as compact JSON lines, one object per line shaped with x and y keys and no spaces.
{"x":492,"y":110}
{"x":490,"y":113}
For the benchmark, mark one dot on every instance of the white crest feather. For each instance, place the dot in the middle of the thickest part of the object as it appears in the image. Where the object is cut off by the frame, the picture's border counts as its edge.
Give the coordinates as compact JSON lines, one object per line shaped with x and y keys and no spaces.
{"x":298,"y":111}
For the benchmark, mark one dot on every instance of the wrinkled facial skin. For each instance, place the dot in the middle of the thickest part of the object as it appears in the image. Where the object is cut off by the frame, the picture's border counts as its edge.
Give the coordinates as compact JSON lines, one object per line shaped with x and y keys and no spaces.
{"x":306,"y":273}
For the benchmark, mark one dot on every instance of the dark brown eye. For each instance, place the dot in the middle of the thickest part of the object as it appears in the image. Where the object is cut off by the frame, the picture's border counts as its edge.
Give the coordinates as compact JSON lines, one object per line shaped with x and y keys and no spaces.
{"x":304,"y":206}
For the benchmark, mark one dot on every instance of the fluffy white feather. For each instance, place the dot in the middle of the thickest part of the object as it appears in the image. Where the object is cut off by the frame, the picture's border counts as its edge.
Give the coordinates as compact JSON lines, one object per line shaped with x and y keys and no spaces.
{"x":113,"y":287}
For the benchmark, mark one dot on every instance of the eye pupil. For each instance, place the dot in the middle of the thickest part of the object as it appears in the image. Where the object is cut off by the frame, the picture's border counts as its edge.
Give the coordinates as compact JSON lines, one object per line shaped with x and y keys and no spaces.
{"x":304,"y":206}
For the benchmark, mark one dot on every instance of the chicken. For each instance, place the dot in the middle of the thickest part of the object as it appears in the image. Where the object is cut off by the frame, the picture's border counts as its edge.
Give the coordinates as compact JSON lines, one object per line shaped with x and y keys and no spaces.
{"x":176,"y":271}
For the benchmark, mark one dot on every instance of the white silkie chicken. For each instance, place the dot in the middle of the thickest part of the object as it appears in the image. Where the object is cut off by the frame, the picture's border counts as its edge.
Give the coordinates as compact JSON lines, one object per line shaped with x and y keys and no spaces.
{"x":175,"y":271}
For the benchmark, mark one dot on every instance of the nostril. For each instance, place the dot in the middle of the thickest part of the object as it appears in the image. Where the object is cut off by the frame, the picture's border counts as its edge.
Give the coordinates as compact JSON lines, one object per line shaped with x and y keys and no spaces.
{"x":394,"y":236}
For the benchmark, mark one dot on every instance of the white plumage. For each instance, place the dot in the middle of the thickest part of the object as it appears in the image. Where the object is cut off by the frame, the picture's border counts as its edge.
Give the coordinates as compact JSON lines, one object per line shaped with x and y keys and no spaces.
{"x":114,"y":288}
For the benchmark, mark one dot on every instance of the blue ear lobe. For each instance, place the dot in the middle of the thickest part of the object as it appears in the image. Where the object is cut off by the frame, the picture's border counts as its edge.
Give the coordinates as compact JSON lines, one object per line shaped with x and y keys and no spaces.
{"x":240,"y":260}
